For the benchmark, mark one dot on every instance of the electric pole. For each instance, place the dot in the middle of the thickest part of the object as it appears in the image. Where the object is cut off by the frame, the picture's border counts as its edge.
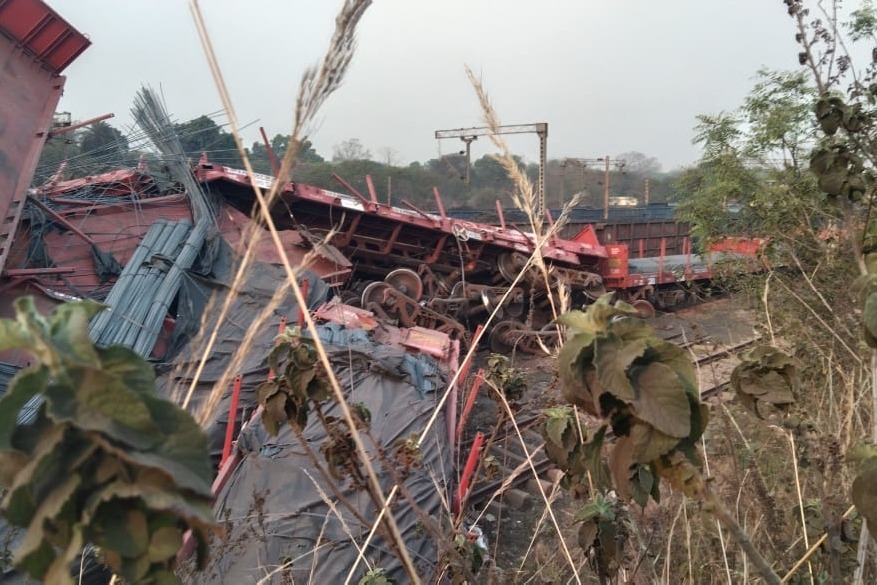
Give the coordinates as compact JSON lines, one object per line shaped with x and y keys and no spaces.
{"x":607,"y":164}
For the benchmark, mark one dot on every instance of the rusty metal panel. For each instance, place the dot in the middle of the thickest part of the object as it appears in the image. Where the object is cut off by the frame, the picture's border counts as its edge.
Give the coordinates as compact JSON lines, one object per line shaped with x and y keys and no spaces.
{"x":42,"y":33}
{"x":29,"y":95}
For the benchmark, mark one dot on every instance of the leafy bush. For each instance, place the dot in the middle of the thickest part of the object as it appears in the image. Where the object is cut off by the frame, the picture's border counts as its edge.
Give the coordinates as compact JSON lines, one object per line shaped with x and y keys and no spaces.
{"x":104,"y":461}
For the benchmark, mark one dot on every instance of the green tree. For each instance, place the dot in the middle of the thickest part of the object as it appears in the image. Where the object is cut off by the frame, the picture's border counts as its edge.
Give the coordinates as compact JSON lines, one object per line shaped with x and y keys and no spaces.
{"x":101,"y":138}
{"x":307,"y":153}
{"x":779,"y":114}
{"x":202,"y":134}
{"x":720,"y":179}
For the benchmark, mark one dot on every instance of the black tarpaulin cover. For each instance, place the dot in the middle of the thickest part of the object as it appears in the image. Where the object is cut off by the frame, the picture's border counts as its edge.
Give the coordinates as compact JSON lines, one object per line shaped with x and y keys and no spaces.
{"x":275,"y":519}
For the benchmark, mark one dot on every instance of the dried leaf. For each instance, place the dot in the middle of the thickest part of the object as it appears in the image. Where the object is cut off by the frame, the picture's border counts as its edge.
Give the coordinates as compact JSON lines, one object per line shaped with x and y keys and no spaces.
{"x":612,"y":358}
{"x":661,"y":400}
{"x":649,"y":443}
{"x":620,"y":463}
{"x":587,"y":534}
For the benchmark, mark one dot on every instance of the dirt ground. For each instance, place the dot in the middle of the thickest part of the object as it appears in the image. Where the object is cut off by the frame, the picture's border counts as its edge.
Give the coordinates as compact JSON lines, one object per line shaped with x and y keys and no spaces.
{"x":521,"y":541}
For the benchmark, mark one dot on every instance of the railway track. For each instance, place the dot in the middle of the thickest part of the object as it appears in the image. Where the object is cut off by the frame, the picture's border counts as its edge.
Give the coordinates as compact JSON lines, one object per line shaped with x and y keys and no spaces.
{"x":714,"y":364}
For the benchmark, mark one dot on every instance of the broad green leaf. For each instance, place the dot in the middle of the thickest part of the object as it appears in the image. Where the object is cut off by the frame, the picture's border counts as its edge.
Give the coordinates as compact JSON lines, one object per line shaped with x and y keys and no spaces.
{"x":700,"y":416}
{"x":27,"y":315}
{"x":125,"y":529}
{"x":35,"y":554}
{"x":661,"y":400}
{"x":38,"y":560}
{"x":643,"y":484}
{"x":185,"y":445}
{"x":265,"y":390}
{"x":24,"y":386}
{"x":612,"y":358}
{"x":194,"y":510}
{"x":598,"y":508}
{"x":13,"y":335}
{"x":299,"y":378}
{"x":559,"y":419}
{"x":102,"y":403}
{"x":136,"y":373}
{"x":573,"y":361}
{"x":576,"y":352}
{"x":46,"y":467}
{"x":69,"y":330}
{"x":182,"y":460}
{"x":275,"y":410}
{"x":578,"y":321}
{"x":631,"y":328}
{"x":164,"y":544}
{"x":11,"y":462}
{"x":678,"y":360}
{"x":59,"y":570}
{"x":109,"y":468}
{"x":592,"y":457}
{"x":134,"y":570}
{"x":277,"y":352}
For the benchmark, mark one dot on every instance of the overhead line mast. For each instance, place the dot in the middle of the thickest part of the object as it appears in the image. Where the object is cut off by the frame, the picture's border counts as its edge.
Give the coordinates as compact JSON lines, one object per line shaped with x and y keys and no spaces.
{"x":468,"y":135}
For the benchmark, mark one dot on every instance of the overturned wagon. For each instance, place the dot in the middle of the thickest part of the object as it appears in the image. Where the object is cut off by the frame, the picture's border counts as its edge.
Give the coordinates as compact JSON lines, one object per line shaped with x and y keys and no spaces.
{"x":424,"y":268}
{"x":427,"y":269}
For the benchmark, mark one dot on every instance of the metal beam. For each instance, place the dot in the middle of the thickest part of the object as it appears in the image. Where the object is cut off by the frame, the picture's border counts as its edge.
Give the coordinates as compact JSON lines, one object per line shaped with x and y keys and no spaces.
{"x":540,"y":128}
{"x":467,"y":135}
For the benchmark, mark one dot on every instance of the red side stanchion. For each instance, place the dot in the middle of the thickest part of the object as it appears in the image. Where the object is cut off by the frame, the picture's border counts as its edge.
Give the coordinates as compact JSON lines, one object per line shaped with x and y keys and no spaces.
{"x":301,"y":310}
{"x":468,"y":471}
{"x":470,"y":402}
{"x":232,"y":418}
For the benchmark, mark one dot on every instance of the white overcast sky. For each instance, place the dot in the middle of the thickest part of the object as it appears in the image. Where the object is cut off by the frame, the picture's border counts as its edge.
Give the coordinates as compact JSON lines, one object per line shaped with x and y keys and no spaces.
{"x":609,"y":76}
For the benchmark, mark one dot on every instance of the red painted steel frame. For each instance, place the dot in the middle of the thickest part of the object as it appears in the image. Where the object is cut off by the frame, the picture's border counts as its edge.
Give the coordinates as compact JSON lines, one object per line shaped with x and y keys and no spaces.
{"x":42,"y":33}
{"x":571,"y":252}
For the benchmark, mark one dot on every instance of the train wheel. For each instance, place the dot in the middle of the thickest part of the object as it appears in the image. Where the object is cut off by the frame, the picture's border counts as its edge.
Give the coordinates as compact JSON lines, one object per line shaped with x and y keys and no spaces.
{"x":510,"y":264}
{"x":645,"y":308}
{"x":407,"y":282}
{"x":373,"y":293}
{"x":503,"y":338}
{"x":514,"y":305}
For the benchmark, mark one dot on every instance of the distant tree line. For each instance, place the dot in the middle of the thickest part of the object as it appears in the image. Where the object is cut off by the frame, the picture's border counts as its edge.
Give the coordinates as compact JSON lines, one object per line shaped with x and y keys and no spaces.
{"x":101,"y":147}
